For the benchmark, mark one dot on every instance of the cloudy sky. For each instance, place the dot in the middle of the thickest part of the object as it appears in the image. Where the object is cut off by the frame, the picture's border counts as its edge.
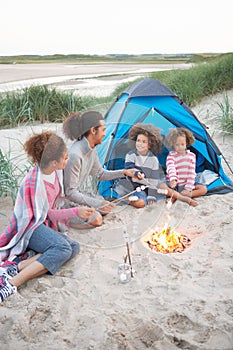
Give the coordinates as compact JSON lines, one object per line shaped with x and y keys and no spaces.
{"x":122,"y":26}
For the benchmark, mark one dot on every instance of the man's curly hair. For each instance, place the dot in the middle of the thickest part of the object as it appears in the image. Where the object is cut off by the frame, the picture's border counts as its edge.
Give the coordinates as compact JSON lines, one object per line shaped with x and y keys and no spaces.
{"x":71,"y":125}
{"x":77,"y":125}
{"x":176,"y":132}
{"x":153,"y":134}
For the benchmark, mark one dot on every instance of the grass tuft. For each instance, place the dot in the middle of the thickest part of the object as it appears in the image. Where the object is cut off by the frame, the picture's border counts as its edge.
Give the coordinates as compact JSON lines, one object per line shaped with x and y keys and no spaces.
{"x":225,"y":118}
{"x":11,"y":174}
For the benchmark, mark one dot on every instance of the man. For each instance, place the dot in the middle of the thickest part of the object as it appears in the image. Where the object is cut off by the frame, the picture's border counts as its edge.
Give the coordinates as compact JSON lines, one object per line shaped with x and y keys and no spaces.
{"x":87,"y":131}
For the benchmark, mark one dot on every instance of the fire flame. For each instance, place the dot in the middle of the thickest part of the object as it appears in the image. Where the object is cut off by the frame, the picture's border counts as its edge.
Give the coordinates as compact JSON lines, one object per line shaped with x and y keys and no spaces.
{"x":166,"y":240}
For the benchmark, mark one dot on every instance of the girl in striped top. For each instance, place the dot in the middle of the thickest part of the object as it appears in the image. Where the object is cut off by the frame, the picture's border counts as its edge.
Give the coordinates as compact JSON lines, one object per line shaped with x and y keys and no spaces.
{"x":181,"y":164}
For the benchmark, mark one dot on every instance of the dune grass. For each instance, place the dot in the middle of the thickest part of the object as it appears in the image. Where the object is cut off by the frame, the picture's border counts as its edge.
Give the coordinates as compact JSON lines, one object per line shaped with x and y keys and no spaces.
{"x":38,"y":103}
{"x":11,"y":174}
{"x":225,"y":116}
{"x":201,"y":80}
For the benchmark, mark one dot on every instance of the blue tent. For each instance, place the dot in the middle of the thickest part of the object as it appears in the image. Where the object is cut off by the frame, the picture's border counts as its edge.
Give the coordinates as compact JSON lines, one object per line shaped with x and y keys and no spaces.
{"x":148,"y":101}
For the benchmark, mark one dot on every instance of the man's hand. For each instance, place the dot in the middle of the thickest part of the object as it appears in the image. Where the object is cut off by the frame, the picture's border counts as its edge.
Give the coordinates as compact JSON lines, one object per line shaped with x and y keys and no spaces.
{"x":131,"y":173}
{"x":106,"y":207}
{"x":85,"y":212}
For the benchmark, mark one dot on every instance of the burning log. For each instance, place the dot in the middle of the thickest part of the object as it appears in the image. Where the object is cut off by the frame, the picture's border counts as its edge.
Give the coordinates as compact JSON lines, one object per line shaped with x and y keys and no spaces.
{"x":167,"y":240}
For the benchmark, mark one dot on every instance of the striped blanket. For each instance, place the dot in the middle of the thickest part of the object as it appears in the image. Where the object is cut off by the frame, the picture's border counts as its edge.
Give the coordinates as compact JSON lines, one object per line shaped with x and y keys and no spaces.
{"x":30,"y":211}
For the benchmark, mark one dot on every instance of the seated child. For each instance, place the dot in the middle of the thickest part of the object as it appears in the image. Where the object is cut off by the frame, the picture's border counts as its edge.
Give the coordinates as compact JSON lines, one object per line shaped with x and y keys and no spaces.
{"x":181,"y":166}
{"x":148,"y":142}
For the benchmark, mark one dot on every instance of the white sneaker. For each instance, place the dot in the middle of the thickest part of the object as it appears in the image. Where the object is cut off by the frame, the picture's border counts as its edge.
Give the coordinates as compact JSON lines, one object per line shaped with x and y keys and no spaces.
{"x":9,"y":268}
{"x":133,"y":198}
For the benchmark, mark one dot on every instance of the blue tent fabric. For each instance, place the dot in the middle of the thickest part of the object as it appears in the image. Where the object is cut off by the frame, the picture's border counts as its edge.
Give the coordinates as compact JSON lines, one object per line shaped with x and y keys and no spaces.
{"x":148,"y":101}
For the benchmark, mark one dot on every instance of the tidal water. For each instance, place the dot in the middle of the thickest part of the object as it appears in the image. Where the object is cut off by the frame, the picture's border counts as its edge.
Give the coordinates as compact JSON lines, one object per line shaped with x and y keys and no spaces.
{"x":84,"y":80}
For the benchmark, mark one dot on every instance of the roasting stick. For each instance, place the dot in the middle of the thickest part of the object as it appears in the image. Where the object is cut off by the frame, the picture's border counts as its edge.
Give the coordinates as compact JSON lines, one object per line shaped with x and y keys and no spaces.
{"x":126,"y":237}
{"x":162,"y":191}
{"x":169,"y":202}
{"x":138,"y":189}
{"x":129,"y":257}
{"x":159,"y":190}
{"x":141,"y":188}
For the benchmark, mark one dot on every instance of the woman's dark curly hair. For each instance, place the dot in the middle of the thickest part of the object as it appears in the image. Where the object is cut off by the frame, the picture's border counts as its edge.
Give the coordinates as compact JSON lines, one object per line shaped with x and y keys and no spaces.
{"x":153,"y":134}
{"x":44,"y":148}
{"x":176,"y":132}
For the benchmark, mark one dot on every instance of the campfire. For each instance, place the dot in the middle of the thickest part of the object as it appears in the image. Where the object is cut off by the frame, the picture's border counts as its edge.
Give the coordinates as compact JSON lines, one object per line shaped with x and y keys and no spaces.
{"x":166,"y":240}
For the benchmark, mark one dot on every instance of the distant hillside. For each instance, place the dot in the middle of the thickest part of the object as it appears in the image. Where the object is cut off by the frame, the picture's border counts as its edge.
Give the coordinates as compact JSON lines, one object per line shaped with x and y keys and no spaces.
{"x":111,"y":58}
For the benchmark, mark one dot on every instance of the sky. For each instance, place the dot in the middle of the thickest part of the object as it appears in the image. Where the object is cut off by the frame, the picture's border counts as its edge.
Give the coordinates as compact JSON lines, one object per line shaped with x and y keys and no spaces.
{"x":48,"y":27}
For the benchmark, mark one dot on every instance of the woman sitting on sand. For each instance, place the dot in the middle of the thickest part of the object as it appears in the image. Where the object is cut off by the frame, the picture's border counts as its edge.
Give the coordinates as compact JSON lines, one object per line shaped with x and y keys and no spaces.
{"x":34,"y":213}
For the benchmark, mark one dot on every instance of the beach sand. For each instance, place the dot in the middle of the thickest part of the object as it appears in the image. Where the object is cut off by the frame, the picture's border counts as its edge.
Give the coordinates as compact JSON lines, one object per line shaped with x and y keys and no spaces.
{"x":173,"y":301}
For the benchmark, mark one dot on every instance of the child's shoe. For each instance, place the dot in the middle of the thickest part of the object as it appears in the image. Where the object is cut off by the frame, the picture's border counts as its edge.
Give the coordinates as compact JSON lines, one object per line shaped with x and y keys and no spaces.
{"x":133,"y":198}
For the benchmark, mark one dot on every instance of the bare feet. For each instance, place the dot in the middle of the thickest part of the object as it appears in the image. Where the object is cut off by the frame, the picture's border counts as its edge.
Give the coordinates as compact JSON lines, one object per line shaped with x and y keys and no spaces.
{"x":188,"y":200}
{"x":136,"y":202}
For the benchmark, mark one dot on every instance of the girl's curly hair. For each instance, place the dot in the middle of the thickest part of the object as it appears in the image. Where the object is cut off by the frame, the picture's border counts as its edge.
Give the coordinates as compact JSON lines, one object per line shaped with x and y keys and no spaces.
{"x":176,"y":132}
{"x":153,"y":134}
{"x":44,"y":147}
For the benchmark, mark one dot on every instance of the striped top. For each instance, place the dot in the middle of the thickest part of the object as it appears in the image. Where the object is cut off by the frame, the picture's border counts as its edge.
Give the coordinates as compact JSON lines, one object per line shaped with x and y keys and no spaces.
{"x":182,"y":169}
{"x":148,"y":165}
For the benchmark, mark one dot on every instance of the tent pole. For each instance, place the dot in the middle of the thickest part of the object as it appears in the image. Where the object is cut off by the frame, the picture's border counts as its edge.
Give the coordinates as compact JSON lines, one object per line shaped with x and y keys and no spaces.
{"x":227,"y":163}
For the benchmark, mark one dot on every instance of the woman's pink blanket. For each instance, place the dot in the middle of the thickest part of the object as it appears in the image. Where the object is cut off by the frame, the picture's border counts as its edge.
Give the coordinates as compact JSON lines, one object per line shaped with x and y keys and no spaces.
{"x":30,"y":211}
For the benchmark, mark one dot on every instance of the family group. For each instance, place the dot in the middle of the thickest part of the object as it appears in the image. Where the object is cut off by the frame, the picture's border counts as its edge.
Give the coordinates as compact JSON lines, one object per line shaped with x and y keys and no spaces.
{"x":51,"y":196}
